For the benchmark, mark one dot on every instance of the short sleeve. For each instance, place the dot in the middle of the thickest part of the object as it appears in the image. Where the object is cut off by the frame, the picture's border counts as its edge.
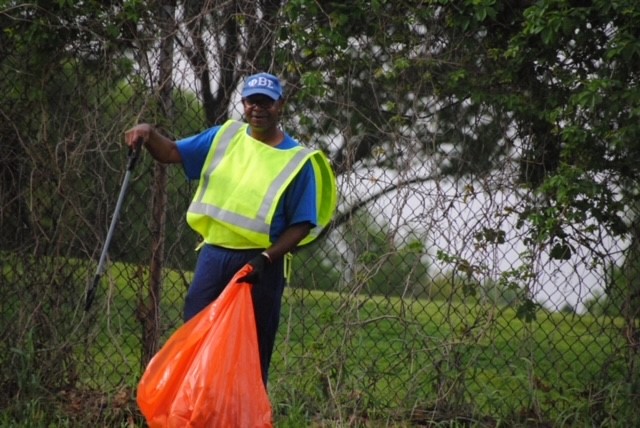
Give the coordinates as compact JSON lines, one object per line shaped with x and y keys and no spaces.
{"x":298,"y":204}
{"x":194,"y":150}
{"x":300,"y":198}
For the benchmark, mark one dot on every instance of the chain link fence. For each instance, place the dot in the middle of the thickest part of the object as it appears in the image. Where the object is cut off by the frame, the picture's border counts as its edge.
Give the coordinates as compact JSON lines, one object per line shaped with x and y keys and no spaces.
{"x":425,"y":302}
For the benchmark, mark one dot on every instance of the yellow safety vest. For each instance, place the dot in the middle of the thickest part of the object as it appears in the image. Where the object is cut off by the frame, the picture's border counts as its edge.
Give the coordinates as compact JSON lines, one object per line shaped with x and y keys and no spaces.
{"x":241,"y":183}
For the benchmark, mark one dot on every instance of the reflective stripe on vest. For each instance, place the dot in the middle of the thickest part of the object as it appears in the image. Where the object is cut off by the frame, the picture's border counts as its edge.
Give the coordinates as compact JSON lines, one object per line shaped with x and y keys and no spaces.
{"x":220,"y":149}
{"x":259,"y":224}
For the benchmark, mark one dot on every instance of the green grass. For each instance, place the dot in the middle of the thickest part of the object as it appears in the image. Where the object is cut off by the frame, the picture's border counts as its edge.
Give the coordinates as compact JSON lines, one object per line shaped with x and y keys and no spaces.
{"x":375,"y":361}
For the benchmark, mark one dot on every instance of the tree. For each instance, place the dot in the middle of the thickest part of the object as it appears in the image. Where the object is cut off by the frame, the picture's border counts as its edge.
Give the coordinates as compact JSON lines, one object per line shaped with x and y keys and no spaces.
{"x":224,"y":43}
{"x":565,"y":76}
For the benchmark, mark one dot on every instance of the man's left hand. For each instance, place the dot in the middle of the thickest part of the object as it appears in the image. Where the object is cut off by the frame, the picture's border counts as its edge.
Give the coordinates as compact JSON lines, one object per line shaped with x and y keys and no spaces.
{"x":258,"y":264}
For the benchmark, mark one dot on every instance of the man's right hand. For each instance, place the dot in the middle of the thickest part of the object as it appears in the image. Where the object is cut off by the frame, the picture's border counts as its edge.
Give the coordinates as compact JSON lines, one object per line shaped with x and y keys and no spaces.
{"x":139,"y":134}
{"x":162,"y":149}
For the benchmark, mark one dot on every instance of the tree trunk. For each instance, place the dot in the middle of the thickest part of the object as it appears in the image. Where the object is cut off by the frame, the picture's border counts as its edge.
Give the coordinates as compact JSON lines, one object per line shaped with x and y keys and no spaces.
{"x":151,"y":321}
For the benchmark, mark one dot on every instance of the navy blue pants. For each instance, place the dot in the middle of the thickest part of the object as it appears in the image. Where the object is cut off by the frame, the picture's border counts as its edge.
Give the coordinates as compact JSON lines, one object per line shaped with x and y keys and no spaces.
{"x":215,"y":268}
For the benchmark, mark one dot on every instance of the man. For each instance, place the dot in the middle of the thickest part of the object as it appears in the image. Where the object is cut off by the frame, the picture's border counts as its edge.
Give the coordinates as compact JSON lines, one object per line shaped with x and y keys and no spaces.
{"x":260,"y":195}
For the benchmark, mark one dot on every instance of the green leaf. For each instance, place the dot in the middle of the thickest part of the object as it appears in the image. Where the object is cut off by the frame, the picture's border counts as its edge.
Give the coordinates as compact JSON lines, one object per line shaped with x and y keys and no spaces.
{"x":561,"y":251}
{"x":526,"y":311}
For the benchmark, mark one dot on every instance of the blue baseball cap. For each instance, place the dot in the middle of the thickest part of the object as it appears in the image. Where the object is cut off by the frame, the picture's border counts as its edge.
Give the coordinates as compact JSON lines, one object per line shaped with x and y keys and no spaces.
{"x":262,"y":83}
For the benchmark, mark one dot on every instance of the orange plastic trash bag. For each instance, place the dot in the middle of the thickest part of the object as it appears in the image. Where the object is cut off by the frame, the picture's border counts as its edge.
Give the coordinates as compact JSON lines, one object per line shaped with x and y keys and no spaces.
{"x":208,"y":373}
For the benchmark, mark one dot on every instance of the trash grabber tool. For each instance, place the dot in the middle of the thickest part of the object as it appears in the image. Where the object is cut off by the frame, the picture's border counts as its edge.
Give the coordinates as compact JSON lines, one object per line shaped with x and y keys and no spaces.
{"x":131,"y":163}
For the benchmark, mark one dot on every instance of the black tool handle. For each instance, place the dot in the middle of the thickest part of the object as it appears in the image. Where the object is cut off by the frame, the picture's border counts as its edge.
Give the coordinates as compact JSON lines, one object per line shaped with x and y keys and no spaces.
{"x":133,"y":155}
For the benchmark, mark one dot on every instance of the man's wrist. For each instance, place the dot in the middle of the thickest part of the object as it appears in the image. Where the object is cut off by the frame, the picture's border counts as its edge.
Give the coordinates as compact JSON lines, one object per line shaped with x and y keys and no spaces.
{"x":266,"y":256}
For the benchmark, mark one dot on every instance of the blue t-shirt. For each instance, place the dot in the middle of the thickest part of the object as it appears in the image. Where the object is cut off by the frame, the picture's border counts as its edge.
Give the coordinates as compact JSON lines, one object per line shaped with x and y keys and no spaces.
{"x":298,"y":204}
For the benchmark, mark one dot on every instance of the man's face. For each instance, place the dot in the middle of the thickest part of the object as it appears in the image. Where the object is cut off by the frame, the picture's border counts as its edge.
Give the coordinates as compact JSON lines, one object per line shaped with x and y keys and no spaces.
{"x":261,"y":112}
